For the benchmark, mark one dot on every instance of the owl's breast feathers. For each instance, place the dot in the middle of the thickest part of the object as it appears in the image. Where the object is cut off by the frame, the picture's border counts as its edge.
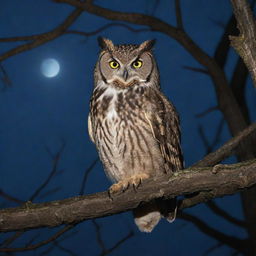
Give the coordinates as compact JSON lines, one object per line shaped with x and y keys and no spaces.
{"x":137,"y":129}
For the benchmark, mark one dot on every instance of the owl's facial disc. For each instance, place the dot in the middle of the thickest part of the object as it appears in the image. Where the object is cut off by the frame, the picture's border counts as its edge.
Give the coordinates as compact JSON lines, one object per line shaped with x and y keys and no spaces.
{"x":125,"y":71}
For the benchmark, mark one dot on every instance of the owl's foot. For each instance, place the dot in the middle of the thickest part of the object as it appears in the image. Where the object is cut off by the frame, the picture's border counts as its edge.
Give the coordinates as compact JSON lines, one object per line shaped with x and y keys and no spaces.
{"x":122,"y":185}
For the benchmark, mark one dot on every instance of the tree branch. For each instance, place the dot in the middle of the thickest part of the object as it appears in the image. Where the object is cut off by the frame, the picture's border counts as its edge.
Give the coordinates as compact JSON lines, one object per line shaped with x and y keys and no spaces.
{"x":218,"y":211}
{"x":228,"y":148}
{"x":231,"y":241}
{"x":37,"y":245}
{"x":224,"y":180}
{"x":245,"y":43}
{"x":42,"y":38}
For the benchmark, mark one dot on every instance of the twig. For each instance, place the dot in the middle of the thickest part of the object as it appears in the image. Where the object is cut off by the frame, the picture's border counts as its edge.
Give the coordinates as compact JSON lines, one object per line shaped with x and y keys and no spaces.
{"x":98,"y":236}
{"x":207,"y":111}
{"x":10,"y":198}
{"x":5,"y":78}
{"x":97,"y":31}
{"x":217,"y":210}
{"x":233,"y":242}
{"x":108,"y":251}
{"x":86,"y":174}
{"x":179,"y":20}
{"x":11,"y":239}
{"x":37,"y":245}
{"x":45,"y":37}
{"x":212,"y":248}
{"x":104,"y":250}
{"x":64,"y":249}
{"x":228,"y":148}
{"x":55,"y":161}
{"x":199,"y":70}
{"x":61,"y":239}
{"x":82,"y":33}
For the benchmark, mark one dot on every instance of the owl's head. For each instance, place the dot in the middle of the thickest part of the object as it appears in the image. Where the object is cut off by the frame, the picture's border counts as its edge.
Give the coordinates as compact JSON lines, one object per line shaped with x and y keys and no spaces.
{"x":126,"y":65}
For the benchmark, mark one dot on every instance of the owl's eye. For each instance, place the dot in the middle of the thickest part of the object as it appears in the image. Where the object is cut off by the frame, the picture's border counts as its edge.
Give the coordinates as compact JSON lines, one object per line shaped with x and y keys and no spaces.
{"x":113,"y":64}
{"x":137,"y":64}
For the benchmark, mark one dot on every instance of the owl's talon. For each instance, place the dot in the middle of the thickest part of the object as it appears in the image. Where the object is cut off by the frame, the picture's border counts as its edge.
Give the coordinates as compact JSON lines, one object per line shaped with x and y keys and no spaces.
{"x":110,"y":195}
{"x":123,"y":185}
{"x":134,"y":187}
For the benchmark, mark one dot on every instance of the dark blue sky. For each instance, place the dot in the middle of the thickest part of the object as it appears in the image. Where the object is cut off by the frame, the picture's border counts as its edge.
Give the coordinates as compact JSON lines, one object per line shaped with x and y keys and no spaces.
{"x":37,"y":114}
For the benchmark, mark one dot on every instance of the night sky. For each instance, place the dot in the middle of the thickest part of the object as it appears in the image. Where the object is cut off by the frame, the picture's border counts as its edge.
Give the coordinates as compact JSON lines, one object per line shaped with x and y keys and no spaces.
{"x":39,"y":115}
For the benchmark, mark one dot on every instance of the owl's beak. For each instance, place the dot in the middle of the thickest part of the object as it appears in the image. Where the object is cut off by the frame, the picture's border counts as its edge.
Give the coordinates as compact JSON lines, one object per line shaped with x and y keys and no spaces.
{"x":125,"y":74}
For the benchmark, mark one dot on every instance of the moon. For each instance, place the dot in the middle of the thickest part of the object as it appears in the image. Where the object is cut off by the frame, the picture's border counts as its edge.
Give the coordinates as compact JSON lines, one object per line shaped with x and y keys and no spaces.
{"x":50,"y":67}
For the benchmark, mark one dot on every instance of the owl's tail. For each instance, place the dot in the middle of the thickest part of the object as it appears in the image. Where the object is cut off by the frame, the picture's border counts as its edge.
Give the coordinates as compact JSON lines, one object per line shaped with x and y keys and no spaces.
{"x":148,"y":215}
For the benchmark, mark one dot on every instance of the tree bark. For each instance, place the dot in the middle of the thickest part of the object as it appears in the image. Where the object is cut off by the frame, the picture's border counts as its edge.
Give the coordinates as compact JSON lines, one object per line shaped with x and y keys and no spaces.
{"x":245,"y":43}
{"x":219,"y":180}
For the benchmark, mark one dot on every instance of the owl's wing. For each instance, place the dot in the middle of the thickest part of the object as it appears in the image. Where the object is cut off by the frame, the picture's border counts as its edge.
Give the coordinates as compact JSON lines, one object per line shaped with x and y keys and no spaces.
{"x":90,"y":128}
{"x":164,"y":123}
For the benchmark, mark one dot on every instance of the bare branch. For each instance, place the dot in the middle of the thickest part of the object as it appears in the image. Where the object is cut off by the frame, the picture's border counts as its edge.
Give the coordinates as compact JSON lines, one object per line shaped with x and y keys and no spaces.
{"x":217,"y":210}
{"x":82,"y":33}
{"x":43,"y":38}
{"x":207,"y":111}
{"x":238,"y":85}
{"x":199,"y":70}
{"x":213,"y":248}
{"x":179,"y":20}
{"x":98,"y":236}
{"x":86,"y":174}
{"x":223,"y":180}
{"x":5,"y":78}
{"x":231,"y":241}
{"x":221,"y":52}
{"x":228,"y":148}
{"x":97,"y":31}
{"x":40,"y":244}
{"x":209,"y":146}
{"x":62,"y":248}
{"x":245,"y":43}
{"x":121,"y":241}
{"x":55,"y":161}
{"x":10,"y":198}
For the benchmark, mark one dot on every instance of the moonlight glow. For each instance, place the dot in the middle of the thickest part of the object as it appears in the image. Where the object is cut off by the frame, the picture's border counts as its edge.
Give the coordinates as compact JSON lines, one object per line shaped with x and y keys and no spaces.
{"x":50,"y":68}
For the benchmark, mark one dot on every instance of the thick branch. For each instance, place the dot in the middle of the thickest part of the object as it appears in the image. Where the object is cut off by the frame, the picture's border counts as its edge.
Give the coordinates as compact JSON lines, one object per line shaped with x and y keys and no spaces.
{"x":245,"y":43}
{"x":224,"y":180}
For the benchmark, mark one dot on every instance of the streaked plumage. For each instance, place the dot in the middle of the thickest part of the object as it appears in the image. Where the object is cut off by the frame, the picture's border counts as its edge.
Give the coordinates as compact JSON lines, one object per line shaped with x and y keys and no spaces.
{"x":134,"y":126}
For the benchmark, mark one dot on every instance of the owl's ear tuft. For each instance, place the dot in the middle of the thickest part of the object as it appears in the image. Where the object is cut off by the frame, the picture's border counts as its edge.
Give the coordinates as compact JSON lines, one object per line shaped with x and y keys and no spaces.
{"x":147,"y":45}
{"x":105,"y":44}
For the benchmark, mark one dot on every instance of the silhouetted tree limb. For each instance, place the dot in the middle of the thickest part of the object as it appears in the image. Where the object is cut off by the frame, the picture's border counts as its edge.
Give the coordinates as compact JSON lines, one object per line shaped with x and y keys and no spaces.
{"x":233,"y":242}
{"x":37,"y":245}
{"x":220,"y":180}
{"x":218,"y":211}
{"x":76,"y":32}
{"x":38,"y":40}
{"x":228,"y":148}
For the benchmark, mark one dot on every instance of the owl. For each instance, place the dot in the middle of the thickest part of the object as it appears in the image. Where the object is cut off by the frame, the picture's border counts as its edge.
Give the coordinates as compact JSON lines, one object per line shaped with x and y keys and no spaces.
{"x":133,"y":125}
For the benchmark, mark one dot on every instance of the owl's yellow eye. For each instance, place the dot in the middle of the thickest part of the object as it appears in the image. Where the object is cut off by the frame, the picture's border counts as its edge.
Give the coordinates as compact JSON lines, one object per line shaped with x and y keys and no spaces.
{"x":137,"y":64}
{"x":113,"y":64}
